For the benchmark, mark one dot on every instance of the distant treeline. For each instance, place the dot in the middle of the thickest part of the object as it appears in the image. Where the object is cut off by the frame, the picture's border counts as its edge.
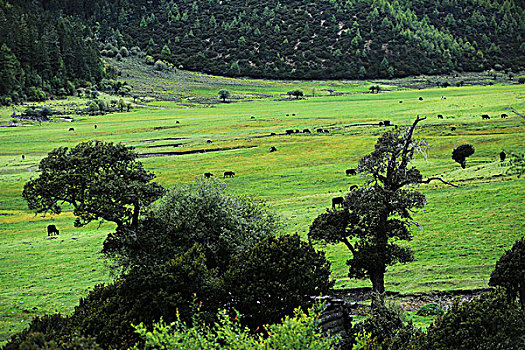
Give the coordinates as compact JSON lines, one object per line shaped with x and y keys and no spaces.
{"x":313,"y":39}
{"x":43,"y":53}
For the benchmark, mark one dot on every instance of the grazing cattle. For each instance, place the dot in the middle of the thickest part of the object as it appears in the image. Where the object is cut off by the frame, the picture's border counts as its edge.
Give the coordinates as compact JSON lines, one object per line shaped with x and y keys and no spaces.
{"x":297,"y":131}
{"x":51,"y":230}
{"x":380,"y":123}
{"x":95,"y":126}
{"x":177,"y":122}
{"x":71,"y":129}
{"x":209,"y":141}
{"x":293,"y":114}
{"x":453,"y":128}
{"x":502,"y":156}
{"x":400,"y":101}
{"x":351,"y":172}
{"x":386,"y":123}
{"x":272,"y":134}
{"x":23,"y":157}
{"x":326,"y":131}
{"x":421,"y":99}
{"x":440,"y":116}
{"x":287,"y":115}
{"x":208,"y":175}
{"x":319,"y":130}
{"x":504,"y":115}
{"x":485,"y":116}
{"x":353,"y":187}
{"x":306,"y":131}
{"x":229,"y":174}
{"x":273,"y":149}
{"x":337,"y":201}
{"x":443,"y":97}
{"x":289,"y":132}
{"x":252,"y":117}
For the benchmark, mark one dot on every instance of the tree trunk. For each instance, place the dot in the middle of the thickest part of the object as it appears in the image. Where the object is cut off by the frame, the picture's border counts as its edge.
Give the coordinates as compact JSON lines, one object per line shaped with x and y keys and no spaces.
{"x":378,"y":288}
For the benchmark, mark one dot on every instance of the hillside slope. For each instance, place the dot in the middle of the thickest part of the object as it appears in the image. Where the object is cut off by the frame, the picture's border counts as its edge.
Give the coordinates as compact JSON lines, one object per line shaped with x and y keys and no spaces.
{"x":313,"y":39}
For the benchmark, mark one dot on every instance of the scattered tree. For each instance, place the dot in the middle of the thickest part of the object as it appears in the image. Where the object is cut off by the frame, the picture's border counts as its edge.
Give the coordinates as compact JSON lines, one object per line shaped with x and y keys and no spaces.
{"x":296,"y":93}
{"x":378,"y":215}
{"x":224,"y":94}
{"x":460,"y":154}
{"x":99,"y":179}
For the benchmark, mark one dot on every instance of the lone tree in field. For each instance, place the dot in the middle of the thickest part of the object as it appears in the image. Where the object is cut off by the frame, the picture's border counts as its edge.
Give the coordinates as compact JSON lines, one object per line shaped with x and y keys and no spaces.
{"x":296,"y":93}
{"x":99,"y":179}
{"x":378,"y":215}
{"x":224,"y":94}
{"x":460,"y":154}
{"x":510,"y":272}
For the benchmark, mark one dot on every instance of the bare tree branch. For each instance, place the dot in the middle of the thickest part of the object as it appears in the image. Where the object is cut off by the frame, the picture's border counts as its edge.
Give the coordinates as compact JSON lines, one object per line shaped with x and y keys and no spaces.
{"x":437,"y":178}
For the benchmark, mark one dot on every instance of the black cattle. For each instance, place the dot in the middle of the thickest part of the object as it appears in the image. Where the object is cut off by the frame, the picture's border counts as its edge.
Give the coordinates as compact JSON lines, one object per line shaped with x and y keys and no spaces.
{"x":272,"y":134}
{"x":504,"y":115}
{"x":208,"y":175}
{"x":51,"y":230}
{"x":297,"y":131}
{"x":326,"y":131}
{"x":23,"y":157}
{"x":386,"y":123}
{"x":287,"y":115}
{"x":353,"y":187}
{"x":502,"y":156}
{"x":453,"y":128}
{"x":380,"y":123}
{"x":71,"y":129}
{"x":293,"y":114}
{"x":209,"y":141}
{"x":289,"y":132}
{"x":443,"y":97}
{"x":440,"y":116}
{"x":95,"y":126}
{"x":337,"y":201}
{"x":485,"y":116}
{"x":273,"y":149}
{"x":229,"y":174}
{"x":252,"y":117}
{"x":177,"y":122}
{"x":351,"y":172}
{"x":306,"y":131}
{"x":421,"y":99}
{"x":319,"y":130}
{"x":400,"y":101}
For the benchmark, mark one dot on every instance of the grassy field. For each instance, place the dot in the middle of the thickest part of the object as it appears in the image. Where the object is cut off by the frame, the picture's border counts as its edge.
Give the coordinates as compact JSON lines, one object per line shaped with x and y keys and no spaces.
{"x":463,"y":230}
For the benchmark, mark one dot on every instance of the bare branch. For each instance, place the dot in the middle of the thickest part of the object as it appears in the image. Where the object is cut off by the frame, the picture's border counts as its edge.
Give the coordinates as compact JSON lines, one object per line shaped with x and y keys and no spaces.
{"x":437,"y":178}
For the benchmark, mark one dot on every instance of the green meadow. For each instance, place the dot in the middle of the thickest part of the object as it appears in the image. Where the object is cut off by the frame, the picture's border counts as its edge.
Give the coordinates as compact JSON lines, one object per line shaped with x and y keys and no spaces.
{"x":460,"y":233}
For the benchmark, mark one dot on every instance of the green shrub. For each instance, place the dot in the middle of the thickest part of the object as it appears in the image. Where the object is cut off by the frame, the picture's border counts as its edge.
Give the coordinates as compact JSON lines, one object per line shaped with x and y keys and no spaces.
{"x":489,"y":322}
{"x":430,"y":310}
{"x":160,"y":65}
{"x":150,"y":60}
{"x":300,"y":331}
{"x":275,"y":276}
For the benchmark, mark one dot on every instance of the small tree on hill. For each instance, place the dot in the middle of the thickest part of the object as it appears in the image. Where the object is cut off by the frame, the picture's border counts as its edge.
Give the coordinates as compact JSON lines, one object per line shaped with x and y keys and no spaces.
{"x":510,"y":272}
{"x":460,"y":154}
{"x":99,"y":179}
{"x":224,"y":94}
{"x":378,"y":215}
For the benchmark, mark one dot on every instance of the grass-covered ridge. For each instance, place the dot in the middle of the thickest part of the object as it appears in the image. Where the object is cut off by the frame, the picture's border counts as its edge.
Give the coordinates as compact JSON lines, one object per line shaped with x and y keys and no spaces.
{"x":463,"y":231}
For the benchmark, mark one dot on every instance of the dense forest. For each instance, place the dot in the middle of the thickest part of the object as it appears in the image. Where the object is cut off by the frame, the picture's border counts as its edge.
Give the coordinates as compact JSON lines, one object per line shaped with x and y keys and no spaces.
{"x":53,"y":46}
{"x":313,"y":39}
{"x":42,"y":54}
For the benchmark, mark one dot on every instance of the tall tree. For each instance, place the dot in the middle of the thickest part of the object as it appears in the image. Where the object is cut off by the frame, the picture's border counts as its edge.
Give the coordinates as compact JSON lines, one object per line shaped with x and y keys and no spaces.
{"x":378,"y":215}
{"x":99,"y":179}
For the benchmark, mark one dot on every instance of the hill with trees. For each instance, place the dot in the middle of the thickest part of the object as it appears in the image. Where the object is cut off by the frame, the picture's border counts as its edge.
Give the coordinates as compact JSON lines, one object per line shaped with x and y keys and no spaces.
{"x":42,"y":54}
{"x":306,"y":39}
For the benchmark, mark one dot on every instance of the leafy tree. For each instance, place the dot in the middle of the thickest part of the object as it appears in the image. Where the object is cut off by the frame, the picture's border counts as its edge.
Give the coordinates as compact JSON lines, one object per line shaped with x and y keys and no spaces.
{"x":296,"y":93}
{"x":377,"y":215}
{"x":275,"y":276}
{"x":510,"y":272}
{"x":204,"y":213}
{"x":99,"y":179}
{"x":460,"y":154}
{"x":224,"y":94}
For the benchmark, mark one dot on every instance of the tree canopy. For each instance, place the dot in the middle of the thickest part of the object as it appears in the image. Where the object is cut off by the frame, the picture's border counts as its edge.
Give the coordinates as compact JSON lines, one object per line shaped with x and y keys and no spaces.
{"x":100,"y":180}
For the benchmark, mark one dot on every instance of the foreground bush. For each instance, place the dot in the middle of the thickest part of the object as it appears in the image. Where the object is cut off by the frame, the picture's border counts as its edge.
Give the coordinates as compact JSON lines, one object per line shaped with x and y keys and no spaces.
{"x":275,"y":276}
{"x":300,"y":331}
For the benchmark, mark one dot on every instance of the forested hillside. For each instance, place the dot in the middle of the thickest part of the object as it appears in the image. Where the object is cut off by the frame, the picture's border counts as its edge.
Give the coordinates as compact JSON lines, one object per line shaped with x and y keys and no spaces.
{"x":313,"y":39}
{"x":42,"y":54}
